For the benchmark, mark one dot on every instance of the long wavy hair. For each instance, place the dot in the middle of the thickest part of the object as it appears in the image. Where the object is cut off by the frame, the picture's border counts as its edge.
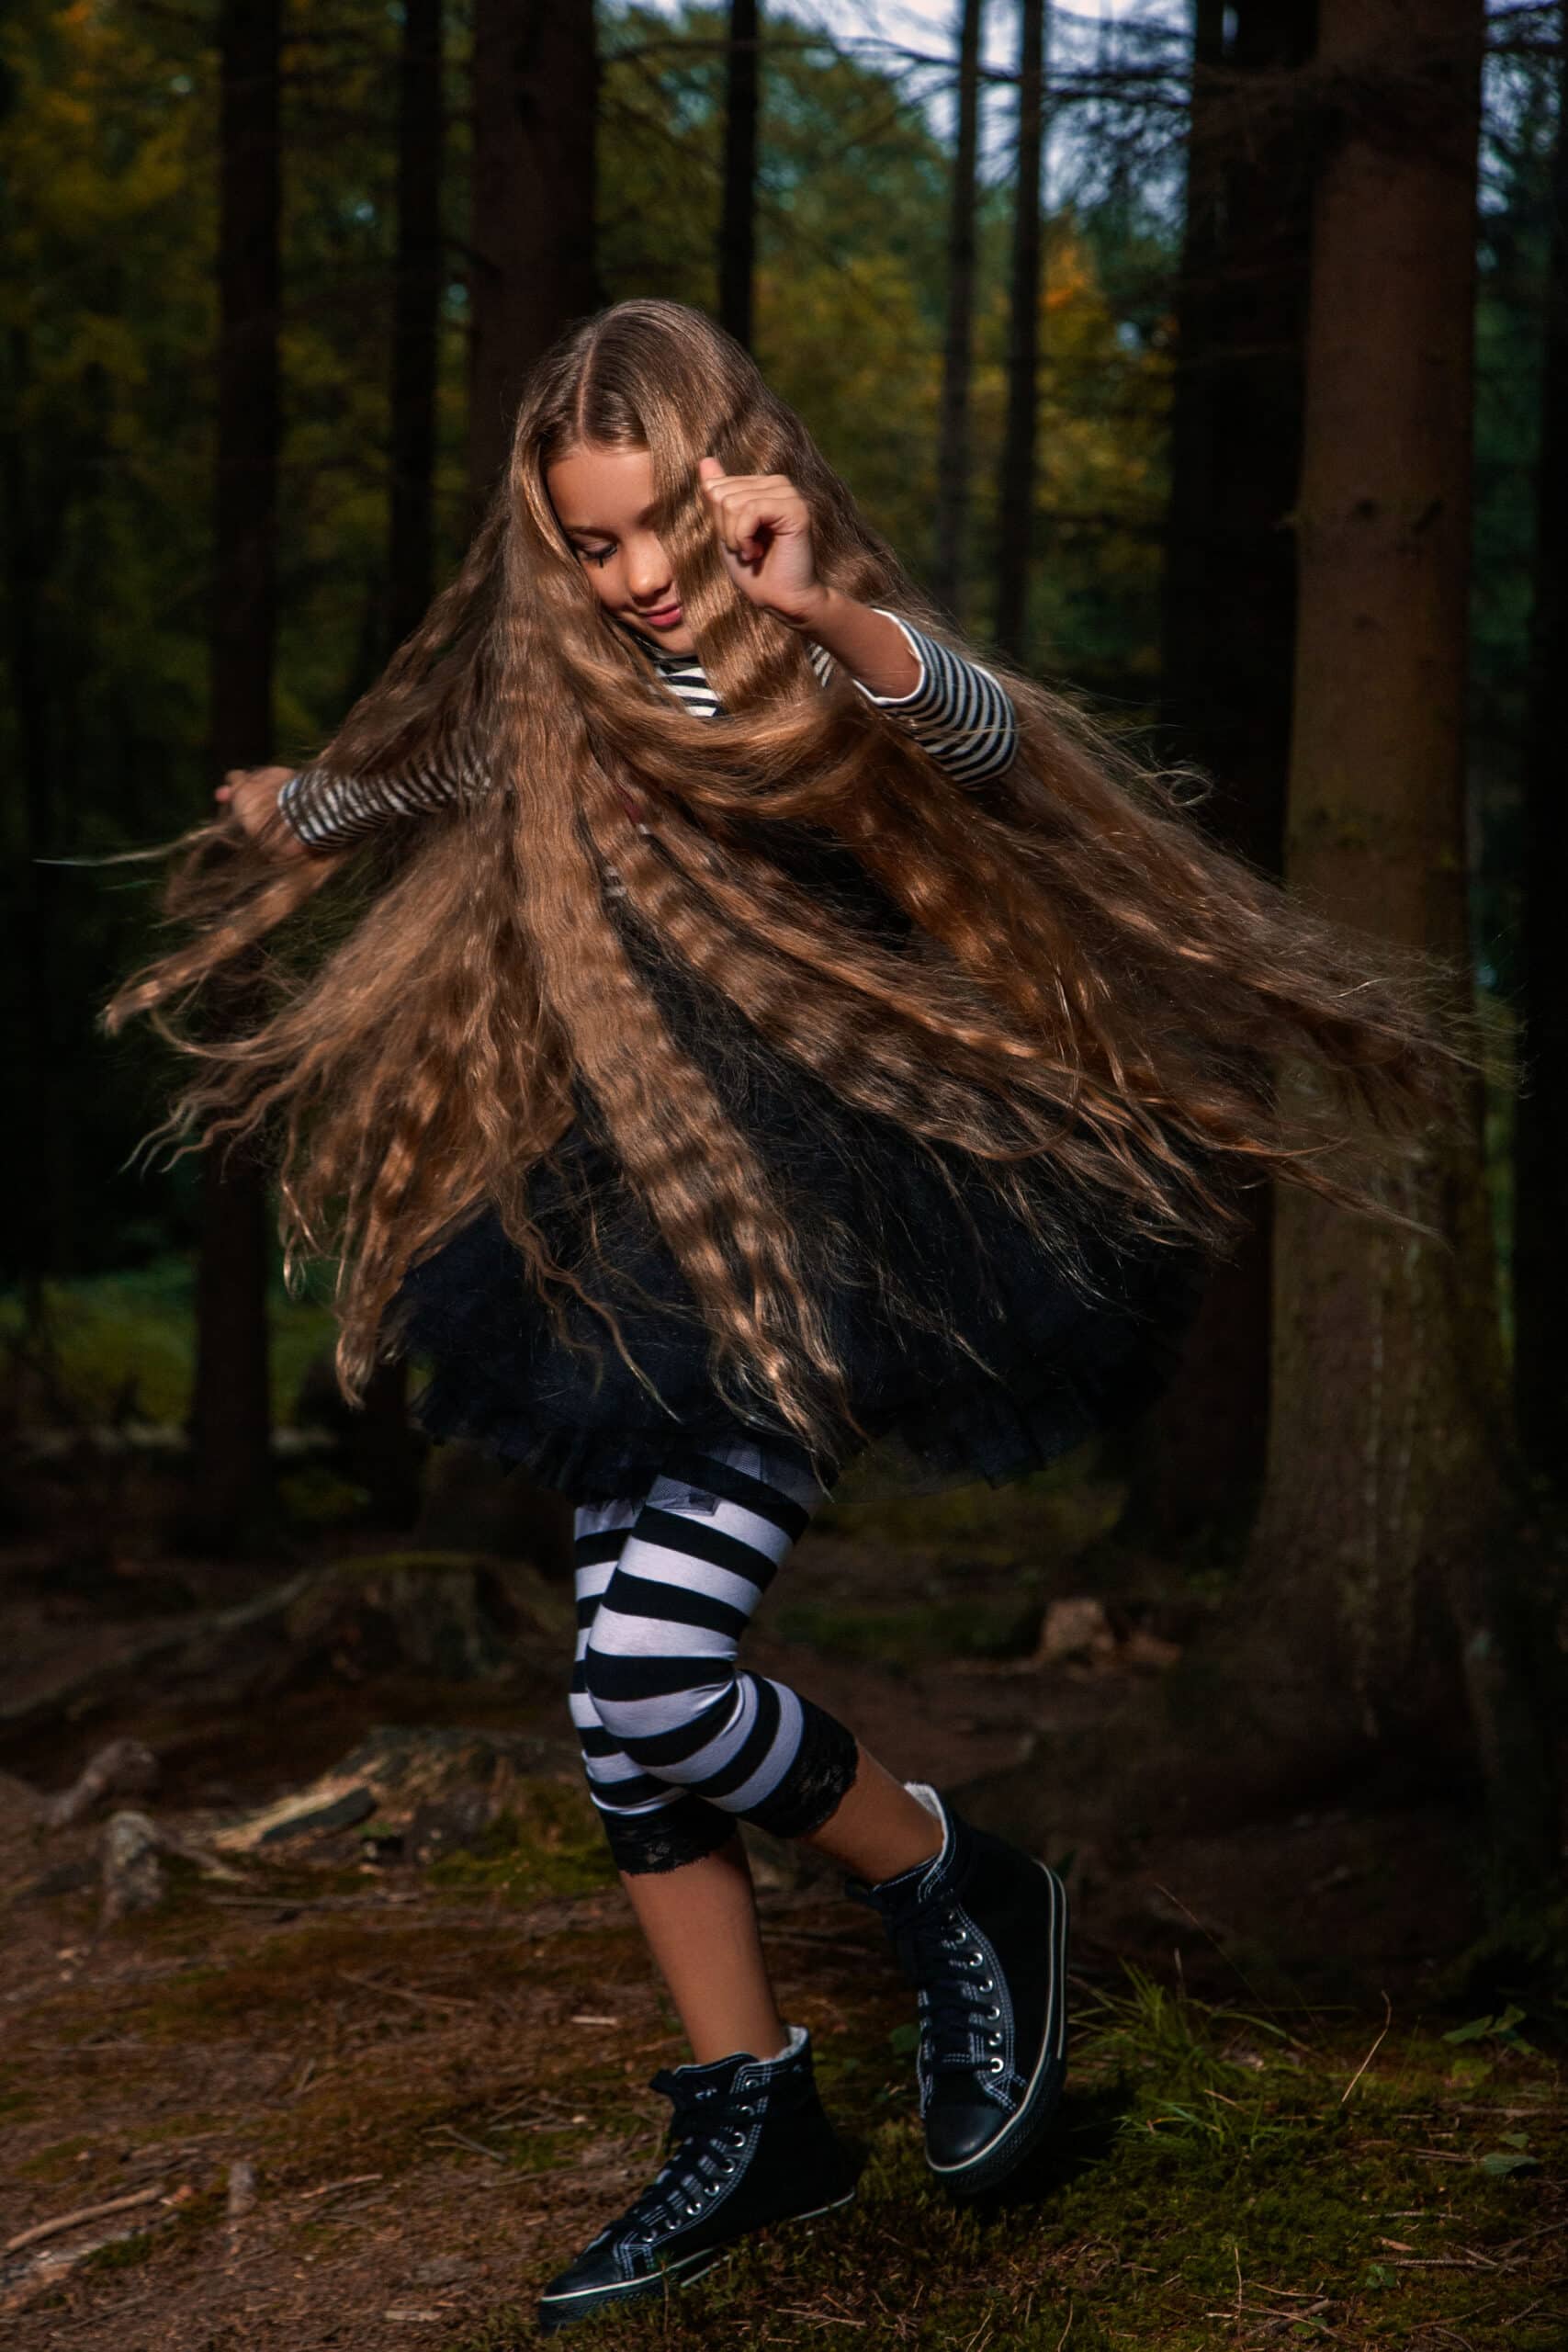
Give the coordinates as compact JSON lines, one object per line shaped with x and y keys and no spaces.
{"x":1084,"y":979}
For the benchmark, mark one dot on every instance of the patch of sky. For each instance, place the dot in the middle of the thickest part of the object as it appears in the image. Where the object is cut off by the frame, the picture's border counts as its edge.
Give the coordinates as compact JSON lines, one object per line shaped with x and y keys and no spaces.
{"x":1116,"y":80}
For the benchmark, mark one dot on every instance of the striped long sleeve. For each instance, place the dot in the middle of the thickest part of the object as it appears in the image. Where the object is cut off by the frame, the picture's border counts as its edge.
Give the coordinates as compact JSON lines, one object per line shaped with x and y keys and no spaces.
{"x":956,"y":710}
{"x":331,"y":811}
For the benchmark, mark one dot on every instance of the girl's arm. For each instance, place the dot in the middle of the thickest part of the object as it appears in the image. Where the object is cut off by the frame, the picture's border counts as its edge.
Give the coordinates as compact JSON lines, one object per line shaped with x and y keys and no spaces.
{"x":327,"y":811}
{"x":320,"y":810}
{"x":956,"y":710}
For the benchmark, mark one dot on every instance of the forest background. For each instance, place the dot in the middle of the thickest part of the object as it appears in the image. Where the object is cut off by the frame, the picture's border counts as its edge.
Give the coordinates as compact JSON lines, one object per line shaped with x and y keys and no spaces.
{"x":1073,"y":319}
{"x":1211,"y":359}
{"x":1213,"y":365}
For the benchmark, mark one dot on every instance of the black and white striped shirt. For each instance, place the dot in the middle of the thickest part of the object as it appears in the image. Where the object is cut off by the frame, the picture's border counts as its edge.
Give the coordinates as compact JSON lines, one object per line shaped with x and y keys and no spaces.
{"x":956,"y":710}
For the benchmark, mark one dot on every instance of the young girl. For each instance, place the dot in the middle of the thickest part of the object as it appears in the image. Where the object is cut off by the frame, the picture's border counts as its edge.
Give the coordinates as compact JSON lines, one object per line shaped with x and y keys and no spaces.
{"x":764,"y":1030}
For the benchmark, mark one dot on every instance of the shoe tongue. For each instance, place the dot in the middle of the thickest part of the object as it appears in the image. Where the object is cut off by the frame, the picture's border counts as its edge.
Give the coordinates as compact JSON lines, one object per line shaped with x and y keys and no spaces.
{"x":694,"y":2089}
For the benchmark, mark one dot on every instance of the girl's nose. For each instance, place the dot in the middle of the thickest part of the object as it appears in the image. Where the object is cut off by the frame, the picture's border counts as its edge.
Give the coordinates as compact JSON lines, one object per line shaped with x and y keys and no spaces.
{"x":647,"y":572}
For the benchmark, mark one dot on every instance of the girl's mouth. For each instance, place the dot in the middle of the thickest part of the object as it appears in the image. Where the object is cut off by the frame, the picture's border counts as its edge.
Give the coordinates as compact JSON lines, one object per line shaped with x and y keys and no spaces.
{"x":665,"y":618}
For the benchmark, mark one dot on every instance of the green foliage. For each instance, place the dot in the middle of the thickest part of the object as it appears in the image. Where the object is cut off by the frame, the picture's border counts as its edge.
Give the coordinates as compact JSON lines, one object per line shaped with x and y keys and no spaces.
{"x":121,"y":1345}
{"x":1504,"y":2027}
{"x":1192,"y":2074}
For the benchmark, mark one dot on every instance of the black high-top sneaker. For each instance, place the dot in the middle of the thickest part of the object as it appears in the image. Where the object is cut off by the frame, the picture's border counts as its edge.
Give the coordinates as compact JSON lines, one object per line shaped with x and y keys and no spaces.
{"x":981,"y":1933}
{"x":748,"y":2144}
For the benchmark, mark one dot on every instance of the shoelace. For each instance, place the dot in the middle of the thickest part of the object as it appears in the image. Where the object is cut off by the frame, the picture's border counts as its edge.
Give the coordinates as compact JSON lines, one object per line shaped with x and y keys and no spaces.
{"x":960,"y":2008}
{"x":704,"y":2155}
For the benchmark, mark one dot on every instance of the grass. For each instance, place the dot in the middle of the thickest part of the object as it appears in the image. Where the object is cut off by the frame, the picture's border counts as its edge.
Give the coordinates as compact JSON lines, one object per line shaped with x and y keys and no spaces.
{"x":1219,"y":2175}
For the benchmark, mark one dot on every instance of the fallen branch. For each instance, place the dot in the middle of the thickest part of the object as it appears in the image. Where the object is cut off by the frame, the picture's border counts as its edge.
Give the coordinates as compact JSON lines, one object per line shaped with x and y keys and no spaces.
{"x":82,"y":2213}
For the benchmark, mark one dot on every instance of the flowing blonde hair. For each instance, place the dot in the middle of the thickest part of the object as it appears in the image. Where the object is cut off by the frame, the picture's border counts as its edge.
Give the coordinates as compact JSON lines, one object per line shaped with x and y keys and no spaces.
{"x":1088,"y":982}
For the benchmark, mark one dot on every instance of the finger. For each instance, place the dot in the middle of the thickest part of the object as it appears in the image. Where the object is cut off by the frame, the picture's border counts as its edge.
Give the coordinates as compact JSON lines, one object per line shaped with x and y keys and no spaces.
{"x":709,"y":471}
{"x":757,"y":514}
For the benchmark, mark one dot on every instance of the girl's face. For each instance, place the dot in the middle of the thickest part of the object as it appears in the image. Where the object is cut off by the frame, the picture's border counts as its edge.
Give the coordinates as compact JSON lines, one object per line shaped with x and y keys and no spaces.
{"x":600,"y":497}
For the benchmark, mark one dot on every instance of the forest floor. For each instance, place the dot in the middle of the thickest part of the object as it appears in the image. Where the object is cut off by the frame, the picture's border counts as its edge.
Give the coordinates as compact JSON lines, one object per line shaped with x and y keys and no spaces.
{"x":376,"y":2082}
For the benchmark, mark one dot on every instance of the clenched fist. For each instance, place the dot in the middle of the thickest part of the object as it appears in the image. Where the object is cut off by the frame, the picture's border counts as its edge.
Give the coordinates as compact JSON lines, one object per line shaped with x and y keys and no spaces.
{"x":763,"y":528}
{"x":250,"y":795}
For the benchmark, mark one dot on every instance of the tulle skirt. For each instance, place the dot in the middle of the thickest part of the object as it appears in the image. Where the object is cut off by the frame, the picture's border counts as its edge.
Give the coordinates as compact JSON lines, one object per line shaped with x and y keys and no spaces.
{"x":972,"y":1348}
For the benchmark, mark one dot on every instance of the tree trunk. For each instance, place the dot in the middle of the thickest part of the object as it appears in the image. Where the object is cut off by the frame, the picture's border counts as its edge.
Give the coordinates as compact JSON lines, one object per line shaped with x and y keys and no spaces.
{"x":534,"y":102}
{"x":416,"y":316}
{"x":1374,"y":1592}
{"x":1229,"y":626}
{"x":230,"y":1413}
{"x":737,"y":229}
{"x":536,"y":109}
{"x":1540,"y":1244}
{"x":952,"y":435}
{"x":382,"y":1450}
{"x":1015,"y":518}
{"x":27,"y":514}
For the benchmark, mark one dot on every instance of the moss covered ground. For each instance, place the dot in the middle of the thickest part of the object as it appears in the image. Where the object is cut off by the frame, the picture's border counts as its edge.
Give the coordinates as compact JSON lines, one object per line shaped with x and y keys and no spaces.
{"x":352,"y":2097}
{"x":438,"y":2083}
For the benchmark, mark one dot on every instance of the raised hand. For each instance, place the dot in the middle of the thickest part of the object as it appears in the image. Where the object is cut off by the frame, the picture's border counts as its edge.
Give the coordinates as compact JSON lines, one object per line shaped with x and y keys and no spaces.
{"x":250,"y":795}
{"x":763,"y":528}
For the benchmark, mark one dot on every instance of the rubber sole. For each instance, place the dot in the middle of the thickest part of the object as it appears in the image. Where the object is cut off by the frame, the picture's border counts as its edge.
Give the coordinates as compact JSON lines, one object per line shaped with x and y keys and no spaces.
{"x":568,"y":2309}
{"x":1023,"y":2133}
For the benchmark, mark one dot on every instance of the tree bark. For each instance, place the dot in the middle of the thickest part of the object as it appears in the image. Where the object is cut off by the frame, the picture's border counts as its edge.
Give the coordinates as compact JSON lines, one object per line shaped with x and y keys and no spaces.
{"x":230,"y":1408}
{"x":416,"y":316}
{"x":42,"y":1246}
{"x":1015,"y":522}
{"x":737,"y":228}
{"x":1375,"y":1590}
{"x":1540,"y":1242}
{"x":382,"y":1450}
{"x":1229,"y":626}
{"x":953,"y":432}
{"x":535,"y":104}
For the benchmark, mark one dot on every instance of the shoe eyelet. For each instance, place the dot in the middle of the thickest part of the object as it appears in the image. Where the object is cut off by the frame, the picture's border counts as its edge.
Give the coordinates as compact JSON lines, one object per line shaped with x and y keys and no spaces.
{"x":996,"y":2065}
{"x":993,"y":2011}
{"x":987,"y":1985}
{"x":995,"y":2040}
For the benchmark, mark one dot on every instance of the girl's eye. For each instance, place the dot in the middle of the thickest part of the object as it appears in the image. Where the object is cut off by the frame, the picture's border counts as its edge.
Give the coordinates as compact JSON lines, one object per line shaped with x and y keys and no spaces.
{"x":595,"y":555}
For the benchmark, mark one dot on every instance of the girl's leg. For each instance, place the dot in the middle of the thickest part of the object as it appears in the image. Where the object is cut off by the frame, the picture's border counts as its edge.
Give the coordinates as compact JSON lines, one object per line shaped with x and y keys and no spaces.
{"x":680,"y":1742}
{"x":712,"y":1959}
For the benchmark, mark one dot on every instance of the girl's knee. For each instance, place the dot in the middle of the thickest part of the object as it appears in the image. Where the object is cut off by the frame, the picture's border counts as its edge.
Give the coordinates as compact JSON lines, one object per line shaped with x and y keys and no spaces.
{"x":654,"y":1717}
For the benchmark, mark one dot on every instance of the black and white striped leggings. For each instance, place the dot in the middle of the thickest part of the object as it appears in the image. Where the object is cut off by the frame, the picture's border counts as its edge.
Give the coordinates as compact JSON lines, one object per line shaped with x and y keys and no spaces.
{"x":678,"y":1742}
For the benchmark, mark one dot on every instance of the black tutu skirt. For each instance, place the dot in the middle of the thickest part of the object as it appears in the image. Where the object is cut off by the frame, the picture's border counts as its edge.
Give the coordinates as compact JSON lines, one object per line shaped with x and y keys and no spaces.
{"x":971,"y":1350}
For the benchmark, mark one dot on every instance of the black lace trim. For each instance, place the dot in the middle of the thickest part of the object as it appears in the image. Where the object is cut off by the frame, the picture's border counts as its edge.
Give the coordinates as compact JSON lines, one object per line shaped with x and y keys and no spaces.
{"x":818,"y":1782}
{"x":641,"y":1843}
{"x":811,"y":1790}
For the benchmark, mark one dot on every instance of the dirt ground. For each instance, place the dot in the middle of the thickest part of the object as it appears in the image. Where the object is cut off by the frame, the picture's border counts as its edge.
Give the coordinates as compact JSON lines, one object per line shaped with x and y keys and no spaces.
{"x":361,"y":2089}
